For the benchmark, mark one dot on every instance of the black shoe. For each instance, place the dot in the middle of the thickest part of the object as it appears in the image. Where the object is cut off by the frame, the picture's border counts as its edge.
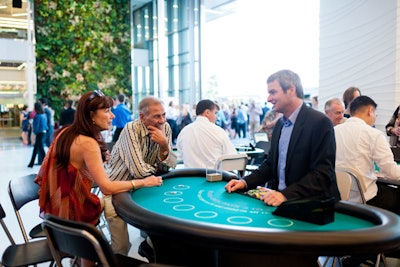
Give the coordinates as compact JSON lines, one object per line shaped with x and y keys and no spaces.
{"x":356,"y":261}
{"x":350,"y":262}
{"x":30,"y":166}
{"x":146,"y":251}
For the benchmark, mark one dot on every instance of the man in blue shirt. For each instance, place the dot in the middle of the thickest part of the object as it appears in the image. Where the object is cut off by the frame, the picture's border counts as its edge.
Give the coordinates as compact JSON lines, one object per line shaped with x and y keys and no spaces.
{"x":122,"y":116}
{"x":242,"y":121}
{"x":50,"y":121}
{"x":301,"y":162}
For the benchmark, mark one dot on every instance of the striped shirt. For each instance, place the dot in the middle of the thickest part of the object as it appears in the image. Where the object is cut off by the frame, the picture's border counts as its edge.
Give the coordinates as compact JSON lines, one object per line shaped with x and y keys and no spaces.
{"x":135,"y":156}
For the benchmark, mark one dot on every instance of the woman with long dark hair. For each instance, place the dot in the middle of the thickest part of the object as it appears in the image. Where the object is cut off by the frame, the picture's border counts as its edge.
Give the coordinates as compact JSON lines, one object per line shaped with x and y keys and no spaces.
{"x":75,"y":161}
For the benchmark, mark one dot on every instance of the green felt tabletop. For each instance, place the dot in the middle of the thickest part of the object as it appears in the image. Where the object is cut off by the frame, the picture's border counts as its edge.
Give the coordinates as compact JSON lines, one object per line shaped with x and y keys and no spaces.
{"x":195,"y":199}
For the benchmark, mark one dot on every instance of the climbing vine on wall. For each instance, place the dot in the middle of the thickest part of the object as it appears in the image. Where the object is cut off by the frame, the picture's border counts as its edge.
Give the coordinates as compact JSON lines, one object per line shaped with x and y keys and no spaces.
{"x":80,"y":46}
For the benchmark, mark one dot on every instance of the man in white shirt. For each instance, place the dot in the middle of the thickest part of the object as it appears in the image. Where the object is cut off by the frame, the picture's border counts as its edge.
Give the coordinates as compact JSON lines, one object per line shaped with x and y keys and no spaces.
{"x":359,"y":145}
{"x":202,"y":141}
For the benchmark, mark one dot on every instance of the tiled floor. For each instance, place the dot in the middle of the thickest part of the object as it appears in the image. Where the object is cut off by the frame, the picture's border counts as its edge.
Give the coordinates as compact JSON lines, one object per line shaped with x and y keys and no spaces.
{"x":14,"y":158}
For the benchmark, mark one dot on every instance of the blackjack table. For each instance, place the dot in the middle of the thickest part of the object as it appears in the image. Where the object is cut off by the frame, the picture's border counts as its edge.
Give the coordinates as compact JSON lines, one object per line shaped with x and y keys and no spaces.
{"x":194,"y":222}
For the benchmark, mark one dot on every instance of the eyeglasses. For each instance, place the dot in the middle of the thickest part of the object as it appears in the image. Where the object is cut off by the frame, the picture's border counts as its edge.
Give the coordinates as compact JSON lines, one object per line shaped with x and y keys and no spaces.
{"x":95,"y":93}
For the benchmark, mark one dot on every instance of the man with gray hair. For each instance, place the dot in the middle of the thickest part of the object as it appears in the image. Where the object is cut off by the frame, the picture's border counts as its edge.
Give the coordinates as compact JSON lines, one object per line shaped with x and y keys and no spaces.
{"x":334,"y":110}
{"x":143,"y":150}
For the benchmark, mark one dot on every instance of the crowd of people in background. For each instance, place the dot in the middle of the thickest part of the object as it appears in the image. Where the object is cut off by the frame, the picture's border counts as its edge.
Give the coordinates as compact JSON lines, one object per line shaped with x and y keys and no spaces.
{"x":143,"y":148}
{"x":239,"y":119}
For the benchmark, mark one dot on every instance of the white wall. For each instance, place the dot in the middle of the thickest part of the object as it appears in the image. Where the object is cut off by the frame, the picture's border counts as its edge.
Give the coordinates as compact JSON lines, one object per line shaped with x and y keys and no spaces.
{"x":141,"y":57}
{"x":13,"y":50}
{"x":359,"y":46}
{"x":7,"y":75}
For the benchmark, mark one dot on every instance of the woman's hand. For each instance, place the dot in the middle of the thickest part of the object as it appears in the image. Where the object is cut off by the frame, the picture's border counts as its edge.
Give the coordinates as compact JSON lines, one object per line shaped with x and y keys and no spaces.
{"x":152,"y":181}
{"x":396,"y":131}
{"x":108,"y":156}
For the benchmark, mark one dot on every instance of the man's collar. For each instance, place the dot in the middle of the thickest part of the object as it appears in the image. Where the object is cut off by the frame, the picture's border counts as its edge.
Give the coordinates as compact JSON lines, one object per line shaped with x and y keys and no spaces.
{"x":293,"y":117}
{"x":144,"y":131}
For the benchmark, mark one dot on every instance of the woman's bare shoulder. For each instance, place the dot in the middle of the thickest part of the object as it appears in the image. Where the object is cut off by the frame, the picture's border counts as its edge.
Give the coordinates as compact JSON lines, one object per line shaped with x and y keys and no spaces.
{"x":83,"y":147}
{"x":83,"y":142}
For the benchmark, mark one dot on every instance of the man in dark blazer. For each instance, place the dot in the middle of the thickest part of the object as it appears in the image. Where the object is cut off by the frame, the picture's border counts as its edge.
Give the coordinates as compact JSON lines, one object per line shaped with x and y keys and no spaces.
{"x":301,"y":162}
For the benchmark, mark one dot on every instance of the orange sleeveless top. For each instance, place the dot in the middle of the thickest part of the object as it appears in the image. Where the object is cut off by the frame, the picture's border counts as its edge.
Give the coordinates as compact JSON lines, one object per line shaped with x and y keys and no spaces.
{"x":66,"y":192}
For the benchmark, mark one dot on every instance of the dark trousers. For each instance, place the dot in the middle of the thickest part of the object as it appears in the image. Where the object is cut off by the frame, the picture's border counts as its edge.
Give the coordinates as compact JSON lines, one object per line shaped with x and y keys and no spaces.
{"x":174,"y":128}
{"x":38,"y":148}
{"x":388,"y":198}
{"x":29,"y":135}
{"x":49,"y":136}
{"x":241,"y":129}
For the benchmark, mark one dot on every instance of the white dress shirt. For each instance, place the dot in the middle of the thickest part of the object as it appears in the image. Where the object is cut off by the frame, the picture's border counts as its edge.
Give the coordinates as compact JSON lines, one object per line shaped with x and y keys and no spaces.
{"x":201,"y":142}
{"x":358,"y":146}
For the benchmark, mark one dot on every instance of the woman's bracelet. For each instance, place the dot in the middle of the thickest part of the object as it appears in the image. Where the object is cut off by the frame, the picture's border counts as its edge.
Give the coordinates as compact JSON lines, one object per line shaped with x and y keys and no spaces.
{"x":133,"y":185}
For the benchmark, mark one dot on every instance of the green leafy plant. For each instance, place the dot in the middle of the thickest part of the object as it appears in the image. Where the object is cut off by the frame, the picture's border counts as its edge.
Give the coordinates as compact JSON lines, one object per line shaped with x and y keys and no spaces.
{"x":81,"y":46}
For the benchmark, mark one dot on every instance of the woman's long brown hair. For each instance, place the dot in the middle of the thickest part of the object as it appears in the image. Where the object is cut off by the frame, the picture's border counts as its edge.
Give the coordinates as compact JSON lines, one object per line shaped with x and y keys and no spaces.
{"x":82,"y":125}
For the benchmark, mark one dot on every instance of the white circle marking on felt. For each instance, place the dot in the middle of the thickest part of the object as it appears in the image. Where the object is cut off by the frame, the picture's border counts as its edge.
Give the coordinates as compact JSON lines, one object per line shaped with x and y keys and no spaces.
{"x":239,"y":220}
{"x":181,"y":187}
{"x":173,"y":193}
{"x":173,"y":200}
{"x":183,"y":207}
{"x":280,"y":222}
{"x":206,"y":214}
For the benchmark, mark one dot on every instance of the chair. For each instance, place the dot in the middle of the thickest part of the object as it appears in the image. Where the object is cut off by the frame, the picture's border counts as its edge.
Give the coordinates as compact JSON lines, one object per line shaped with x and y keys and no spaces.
{"x":25,"y":254}
{"x":23,"y":190}
{"x":264,"y":145}
{"x":350,"y":180}
{"x":257,"y":161}
{"x":351,"y":183}
{"x":261,"y":136}
{"x":344,"y":181}
{"x":234,"y":162}
{"x":102,"y":224}
{"x":81,"y":240}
